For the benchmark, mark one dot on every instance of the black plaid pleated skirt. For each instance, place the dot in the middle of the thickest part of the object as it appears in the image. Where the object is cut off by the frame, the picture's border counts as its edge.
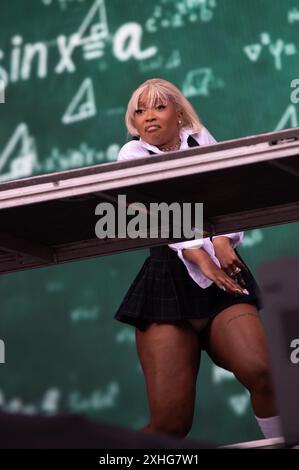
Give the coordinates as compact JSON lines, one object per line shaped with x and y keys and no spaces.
{"x":163,"y":291}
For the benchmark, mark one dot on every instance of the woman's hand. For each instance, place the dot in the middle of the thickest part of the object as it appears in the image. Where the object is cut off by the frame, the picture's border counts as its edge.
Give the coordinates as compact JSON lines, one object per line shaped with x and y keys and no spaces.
{"x":229,"y":260}
{"x":212,"y":271}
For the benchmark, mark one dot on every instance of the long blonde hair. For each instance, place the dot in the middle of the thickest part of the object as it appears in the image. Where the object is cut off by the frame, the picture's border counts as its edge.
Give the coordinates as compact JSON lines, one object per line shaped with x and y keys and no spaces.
{"x":161,"y":90}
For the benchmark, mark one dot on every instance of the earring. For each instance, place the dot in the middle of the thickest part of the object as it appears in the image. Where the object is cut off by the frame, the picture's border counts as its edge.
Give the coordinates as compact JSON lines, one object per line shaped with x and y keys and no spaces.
{"x":180,"y":122}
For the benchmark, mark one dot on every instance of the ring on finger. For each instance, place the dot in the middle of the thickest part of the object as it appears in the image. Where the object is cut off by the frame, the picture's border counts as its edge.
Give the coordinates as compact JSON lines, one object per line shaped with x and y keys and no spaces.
{"x":237,"y":270}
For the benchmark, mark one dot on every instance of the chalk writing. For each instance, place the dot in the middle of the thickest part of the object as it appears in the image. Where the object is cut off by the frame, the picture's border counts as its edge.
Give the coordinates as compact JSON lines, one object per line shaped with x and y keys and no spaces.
{"x":176,"y":14}
{"x":252,"y":238}
{"x":288,"y":119}
{"x":83,"y":104}
{"x":126,"y":335}
{"x":239,"y":403}
{"x":24,"y":61}
{"x":198,"y":82}
{"x":62,"y":3}
{"x":97,"y":400}
{"x":20,"y":153}
{"x":50,"y":403}
{"x":82,"y":314}
{"x":276,"y":49}
{"x":219,"y":374}
{"x":293,"y":15}
{"x":2,"y":91}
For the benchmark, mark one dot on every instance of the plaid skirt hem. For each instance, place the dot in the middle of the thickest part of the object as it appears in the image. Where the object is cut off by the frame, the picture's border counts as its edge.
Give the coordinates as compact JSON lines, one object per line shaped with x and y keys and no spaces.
{"x":163,"y":292}
{"x":141,"y":323}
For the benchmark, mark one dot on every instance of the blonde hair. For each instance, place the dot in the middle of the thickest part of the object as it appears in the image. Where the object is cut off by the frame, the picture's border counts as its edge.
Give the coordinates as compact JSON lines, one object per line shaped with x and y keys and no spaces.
{"x":161,"y":90}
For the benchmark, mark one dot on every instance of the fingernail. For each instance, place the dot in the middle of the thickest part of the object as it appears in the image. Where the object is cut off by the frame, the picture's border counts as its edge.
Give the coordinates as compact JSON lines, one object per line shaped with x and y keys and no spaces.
{"x":245,"y":291}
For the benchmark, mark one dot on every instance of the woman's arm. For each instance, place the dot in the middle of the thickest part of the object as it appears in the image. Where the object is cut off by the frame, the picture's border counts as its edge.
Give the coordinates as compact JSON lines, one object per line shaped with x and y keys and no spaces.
{"x":228,"y":258}
{"x":202,"y":259}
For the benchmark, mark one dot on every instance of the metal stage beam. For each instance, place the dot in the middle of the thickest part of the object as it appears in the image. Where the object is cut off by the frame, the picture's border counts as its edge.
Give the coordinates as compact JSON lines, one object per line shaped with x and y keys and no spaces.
{"x":243,"y":183}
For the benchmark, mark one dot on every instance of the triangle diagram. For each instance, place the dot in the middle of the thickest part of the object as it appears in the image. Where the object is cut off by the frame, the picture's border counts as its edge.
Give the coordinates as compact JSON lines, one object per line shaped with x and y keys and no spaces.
{"x":82,"y":105}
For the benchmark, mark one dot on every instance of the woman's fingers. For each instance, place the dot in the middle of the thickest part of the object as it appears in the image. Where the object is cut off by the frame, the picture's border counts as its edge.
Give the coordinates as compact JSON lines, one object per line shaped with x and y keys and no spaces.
{"x":233,"y":286}
{"x":235,"y":271}
{"x":239,"y":264}
{"x":235,"y":264}
{"x":224,"y":282}
{"x":237,"y":276}
{"x":240,"y":279}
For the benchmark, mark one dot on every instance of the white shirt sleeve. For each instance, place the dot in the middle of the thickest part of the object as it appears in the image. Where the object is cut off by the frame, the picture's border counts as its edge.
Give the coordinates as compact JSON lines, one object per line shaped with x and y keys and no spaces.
{"x":188,"y":244}
{"x":194,"y":271}
{"x":132,"y":150}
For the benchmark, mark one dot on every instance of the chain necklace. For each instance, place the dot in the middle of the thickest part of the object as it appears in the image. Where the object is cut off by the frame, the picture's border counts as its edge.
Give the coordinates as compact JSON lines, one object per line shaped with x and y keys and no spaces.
{"x":176,"y":146}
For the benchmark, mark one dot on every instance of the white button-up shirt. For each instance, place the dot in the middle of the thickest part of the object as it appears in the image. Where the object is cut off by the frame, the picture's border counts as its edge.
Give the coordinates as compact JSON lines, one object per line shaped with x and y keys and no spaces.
{"x":139,"y":149}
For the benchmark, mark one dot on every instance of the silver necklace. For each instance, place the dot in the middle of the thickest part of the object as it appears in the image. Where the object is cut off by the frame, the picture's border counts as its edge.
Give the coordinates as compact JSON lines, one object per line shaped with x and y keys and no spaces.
{"x":172,"y":147}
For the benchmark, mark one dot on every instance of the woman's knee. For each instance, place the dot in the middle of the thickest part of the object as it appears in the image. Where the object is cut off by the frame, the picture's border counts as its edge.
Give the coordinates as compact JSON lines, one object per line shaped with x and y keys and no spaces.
{"x":257,"y":378}
{"x":172,"y":409}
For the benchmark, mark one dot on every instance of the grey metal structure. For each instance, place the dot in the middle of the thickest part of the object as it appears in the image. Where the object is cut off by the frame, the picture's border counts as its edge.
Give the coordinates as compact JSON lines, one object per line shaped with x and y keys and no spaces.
{"x":244,"y":183}
{"x":280,"y":286}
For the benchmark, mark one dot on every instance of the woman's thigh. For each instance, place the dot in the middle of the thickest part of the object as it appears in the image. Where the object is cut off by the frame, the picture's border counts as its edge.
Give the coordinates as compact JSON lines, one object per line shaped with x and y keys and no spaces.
{"x":236,"y":341}
{"x":170,"y":355}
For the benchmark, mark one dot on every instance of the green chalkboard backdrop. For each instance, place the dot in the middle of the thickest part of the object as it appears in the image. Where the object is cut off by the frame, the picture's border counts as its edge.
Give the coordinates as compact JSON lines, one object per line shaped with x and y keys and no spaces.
{"x":69,"y":67}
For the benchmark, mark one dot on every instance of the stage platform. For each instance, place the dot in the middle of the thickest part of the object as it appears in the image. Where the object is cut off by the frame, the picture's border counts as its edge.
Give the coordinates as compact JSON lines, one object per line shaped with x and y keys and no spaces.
{"x":244,"y":183}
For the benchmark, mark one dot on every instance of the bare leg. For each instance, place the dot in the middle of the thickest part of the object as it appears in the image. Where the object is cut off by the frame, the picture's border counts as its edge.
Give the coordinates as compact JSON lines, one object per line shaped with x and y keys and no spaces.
{"x":170,"y":355}
{"x":236,"y":342}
